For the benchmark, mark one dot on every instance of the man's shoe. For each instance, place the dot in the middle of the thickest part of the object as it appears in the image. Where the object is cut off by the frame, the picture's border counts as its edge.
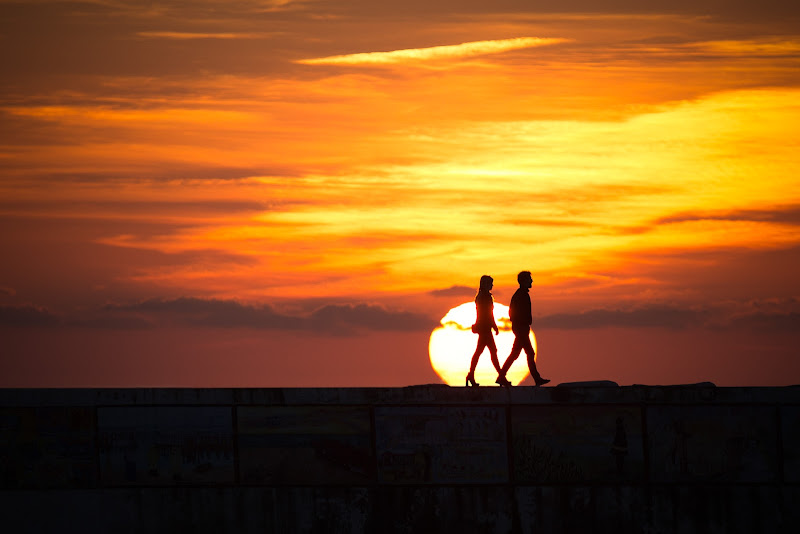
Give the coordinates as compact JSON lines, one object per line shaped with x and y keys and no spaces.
{"x":542,"y":381}
{"x":503,"y":381}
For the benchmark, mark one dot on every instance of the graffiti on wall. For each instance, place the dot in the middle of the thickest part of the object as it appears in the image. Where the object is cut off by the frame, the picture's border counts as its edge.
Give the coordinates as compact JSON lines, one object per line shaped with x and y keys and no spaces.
{"x":713,"y":443}
{"x":562,"y":444}
{"x":305,"y":445}
{"x":441,"y":444}
{"x":47,"y":447}
{"x":165,"y":445}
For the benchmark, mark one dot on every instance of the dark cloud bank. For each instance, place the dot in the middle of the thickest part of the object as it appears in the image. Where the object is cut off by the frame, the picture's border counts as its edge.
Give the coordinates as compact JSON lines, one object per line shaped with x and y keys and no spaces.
{"x":212,"y":313}
{"x":638,"y":318}
{"x":350,"y":318}
{"x":331,"y":318}
{"x":454,"y":291}
{"x":787,"y":320}
{"x":13,"y":316}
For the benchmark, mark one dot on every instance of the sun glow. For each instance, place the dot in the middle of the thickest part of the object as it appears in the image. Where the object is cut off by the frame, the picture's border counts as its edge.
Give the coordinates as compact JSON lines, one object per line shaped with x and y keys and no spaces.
{"x":452,"y":344}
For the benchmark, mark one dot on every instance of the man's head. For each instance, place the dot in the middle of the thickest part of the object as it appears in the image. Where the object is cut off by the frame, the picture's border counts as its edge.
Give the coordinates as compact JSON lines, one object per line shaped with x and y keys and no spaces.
{"x":525,"y":279}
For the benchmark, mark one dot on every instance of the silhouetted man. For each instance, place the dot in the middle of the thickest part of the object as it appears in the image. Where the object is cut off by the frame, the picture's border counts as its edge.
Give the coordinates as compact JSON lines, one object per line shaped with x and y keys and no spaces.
{"x":521,"y":318}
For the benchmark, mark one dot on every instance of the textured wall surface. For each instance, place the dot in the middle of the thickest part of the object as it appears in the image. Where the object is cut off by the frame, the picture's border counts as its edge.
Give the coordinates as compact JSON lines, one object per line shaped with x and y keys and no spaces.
{"x":587,"y":457}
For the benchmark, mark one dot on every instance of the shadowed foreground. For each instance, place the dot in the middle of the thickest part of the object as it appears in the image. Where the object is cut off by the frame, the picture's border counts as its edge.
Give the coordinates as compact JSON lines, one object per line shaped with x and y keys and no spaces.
{"x":588,"y":457}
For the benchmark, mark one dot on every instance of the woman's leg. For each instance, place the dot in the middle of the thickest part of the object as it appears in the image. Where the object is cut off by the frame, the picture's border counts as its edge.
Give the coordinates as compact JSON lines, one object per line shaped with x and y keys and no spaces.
{"x":478,"y":352}
{"x":493,"y":353}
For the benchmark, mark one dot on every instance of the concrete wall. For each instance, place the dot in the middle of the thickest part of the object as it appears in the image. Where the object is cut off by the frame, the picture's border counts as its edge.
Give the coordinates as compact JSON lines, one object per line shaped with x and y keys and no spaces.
{"x":591,"y":457}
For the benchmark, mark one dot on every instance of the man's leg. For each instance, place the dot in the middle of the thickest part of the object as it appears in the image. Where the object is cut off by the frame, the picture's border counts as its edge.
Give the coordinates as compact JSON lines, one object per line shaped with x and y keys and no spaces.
{"x":529,"y":352}
{"x":515,"y":351}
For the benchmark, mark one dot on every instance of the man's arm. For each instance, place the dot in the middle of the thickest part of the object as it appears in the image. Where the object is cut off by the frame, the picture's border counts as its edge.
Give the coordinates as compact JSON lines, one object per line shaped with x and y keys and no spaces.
{"x":529,"y":310}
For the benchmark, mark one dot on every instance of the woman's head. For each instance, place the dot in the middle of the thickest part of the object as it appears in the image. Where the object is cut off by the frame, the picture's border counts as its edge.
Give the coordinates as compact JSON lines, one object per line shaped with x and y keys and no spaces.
{"x":486,"y":283}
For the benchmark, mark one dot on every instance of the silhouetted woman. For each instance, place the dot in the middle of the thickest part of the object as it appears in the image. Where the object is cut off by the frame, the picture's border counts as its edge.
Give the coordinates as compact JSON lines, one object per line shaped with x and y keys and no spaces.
{"x":484,"y":304}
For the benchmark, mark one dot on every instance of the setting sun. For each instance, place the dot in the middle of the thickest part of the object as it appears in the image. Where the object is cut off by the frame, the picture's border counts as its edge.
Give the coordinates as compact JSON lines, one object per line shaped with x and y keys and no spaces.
{"x":452,"y":344}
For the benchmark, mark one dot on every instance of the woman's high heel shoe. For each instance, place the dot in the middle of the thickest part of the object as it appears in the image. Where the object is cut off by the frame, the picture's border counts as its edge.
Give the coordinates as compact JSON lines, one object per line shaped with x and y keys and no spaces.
{"x":471,"y":380}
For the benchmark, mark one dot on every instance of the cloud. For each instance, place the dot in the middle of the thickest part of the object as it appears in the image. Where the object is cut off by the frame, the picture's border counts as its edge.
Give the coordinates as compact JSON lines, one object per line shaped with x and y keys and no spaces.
{"x":772,"y":315}
{"x":768,"y":322}
{"x":766,"y":316}
{"x":138,"y":207}
{"x":453,"y":291}
{"x":364,"y":316}
{"x":763,"y":316}
{"x":172,"y":171}
{"x":7,"y":291}
{"x":780,"y":214}
{"x":752,"y":47}
{"x":653,"y":317}
{"x":111,"y":322}
{"x":21,"y":316}
{"x":547,"y":222}
{"x":197,"y":35}
{"x":208,"y":312}
{"x":331,"y":319}
{"x":413,"y":55}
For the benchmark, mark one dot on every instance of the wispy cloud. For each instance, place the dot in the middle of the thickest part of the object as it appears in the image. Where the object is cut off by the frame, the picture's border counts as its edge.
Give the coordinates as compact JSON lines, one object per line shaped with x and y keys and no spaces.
{"x":411,"y":55}
{"x":780,"y":215}
{"x":199,"y":35}
{"x":759,"y":47}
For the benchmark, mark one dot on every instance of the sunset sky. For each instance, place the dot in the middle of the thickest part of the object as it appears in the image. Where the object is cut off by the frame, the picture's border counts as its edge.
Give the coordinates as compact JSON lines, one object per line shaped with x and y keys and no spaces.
{"x":293,"y":193}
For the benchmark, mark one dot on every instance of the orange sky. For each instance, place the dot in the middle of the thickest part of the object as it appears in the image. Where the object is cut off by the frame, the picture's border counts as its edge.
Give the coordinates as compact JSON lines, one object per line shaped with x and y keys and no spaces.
{"x":321,"y":182}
